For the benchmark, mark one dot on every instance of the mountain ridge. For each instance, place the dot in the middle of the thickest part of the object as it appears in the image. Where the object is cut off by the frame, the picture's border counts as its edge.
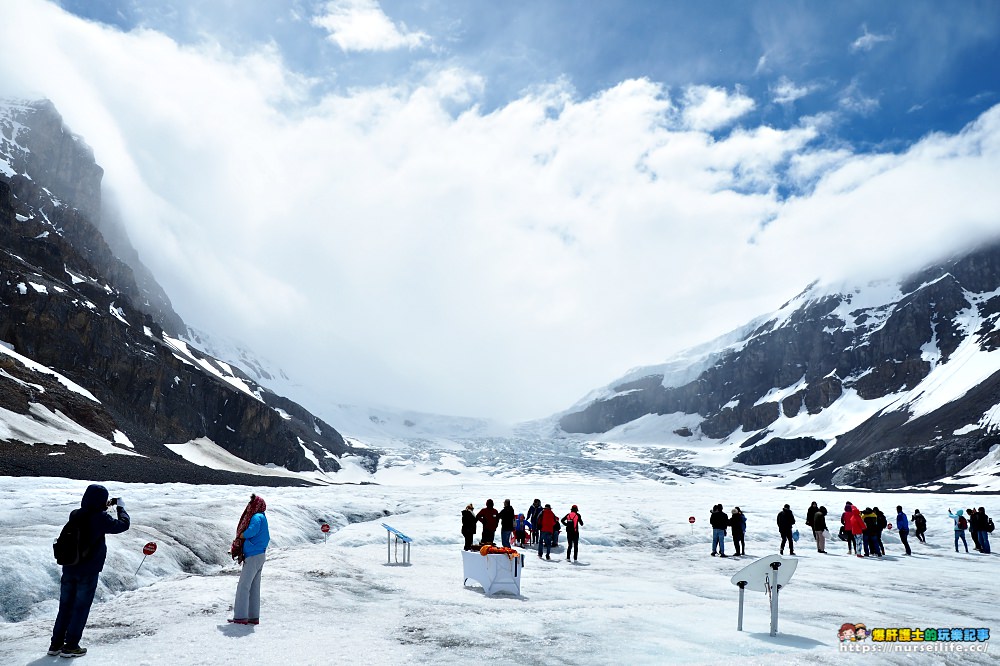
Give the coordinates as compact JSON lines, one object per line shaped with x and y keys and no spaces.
{"x":873,"y":346}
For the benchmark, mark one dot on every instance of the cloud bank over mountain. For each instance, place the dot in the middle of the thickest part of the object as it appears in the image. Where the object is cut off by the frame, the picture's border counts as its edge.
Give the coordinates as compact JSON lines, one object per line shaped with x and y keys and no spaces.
{"x":411,"y":241}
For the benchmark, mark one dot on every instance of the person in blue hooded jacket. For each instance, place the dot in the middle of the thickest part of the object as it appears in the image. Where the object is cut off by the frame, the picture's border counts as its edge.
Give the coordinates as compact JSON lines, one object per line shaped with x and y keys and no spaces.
{"x":252,"y":537}
{"x":79,"y":581}
{"x":959,"y":529}
{"x":903,"y":528}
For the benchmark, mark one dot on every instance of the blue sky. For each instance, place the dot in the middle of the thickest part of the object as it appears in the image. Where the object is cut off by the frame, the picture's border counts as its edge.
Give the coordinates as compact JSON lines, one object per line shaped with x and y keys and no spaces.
{"x":895,"y":71}
{"x":493,"y":208}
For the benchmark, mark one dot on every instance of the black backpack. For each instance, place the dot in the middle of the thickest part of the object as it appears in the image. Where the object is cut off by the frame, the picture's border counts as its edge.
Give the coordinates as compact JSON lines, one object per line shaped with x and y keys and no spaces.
{"x":989,"y":525}
{"x":71,"y":547}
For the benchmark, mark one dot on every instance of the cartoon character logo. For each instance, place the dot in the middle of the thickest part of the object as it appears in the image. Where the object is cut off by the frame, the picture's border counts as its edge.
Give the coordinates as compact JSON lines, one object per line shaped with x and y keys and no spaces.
{"x":846,"y":632}
{"x":861,"y":632}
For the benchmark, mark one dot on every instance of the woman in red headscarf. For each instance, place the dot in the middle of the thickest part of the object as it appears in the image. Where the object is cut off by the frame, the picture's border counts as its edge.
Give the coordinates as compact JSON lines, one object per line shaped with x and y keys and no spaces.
{"x":248,"y":548}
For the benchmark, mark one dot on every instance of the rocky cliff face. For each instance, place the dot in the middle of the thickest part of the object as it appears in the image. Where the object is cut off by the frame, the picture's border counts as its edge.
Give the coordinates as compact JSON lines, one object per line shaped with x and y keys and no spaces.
{"x":52,"y":170}
{"x":43,"y":152}
{"x":68,"y":303}
{"x":887,"y":351}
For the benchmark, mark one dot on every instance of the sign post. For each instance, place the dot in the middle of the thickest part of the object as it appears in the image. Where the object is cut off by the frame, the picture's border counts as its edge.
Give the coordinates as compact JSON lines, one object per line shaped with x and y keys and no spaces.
{"x":325,"y":529}
{"x":147,"y":550}
{"x":691,"y":520}
{"x":739,"y":621}
{"x":768,"y":574}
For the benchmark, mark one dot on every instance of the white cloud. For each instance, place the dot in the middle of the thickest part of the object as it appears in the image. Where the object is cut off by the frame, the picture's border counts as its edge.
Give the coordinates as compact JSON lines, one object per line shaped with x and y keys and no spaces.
{"x":786,"y":92}
{"x":762,"y":65}
{"x":361,"y":25}
{"x":397,"y":244}
{"x":868,"y":40}
{"x":709,"y":108}
{"x":854,"y":100}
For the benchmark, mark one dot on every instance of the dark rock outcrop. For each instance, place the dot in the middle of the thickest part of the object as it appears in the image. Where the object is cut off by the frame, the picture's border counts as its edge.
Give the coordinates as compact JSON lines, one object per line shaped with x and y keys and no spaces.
{"x":778,"y":451}
{"x":913,"y":465}
{"x":6,"y":207}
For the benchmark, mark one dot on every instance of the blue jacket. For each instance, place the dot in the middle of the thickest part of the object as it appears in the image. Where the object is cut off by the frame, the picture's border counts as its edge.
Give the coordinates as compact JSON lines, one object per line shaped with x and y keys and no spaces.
{"x":901,"y":522}
{"x":256,"y":537}
{"x":96,"y":523}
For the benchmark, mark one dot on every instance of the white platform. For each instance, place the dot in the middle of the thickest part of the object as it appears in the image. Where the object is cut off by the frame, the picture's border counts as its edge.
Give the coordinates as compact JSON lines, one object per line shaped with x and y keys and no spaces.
{"x":496,"y":573}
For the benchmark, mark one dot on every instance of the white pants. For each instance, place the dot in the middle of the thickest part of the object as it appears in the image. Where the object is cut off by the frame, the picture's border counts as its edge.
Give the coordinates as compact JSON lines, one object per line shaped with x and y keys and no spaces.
{"x":247,"y":606}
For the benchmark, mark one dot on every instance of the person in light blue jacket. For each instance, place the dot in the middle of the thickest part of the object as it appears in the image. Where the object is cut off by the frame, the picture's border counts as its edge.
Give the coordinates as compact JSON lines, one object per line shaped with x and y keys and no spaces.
{"x":252,"y":538}
{"x":960,"y":526}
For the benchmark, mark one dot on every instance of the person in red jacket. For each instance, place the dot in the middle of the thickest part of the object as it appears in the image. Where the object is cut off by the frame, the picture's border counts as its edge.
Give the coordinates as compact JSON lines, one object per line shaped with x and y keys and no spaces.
{"x":857,"y":526}
{"x":490,"y":518}
{"x":547,"y":524}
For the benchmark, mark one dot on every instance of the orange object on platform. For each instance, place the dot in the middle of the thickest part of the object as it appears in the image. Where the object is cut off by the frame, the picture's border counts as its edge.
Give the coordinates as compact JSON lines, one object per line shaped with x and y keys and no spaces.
{"x":496,"y":550}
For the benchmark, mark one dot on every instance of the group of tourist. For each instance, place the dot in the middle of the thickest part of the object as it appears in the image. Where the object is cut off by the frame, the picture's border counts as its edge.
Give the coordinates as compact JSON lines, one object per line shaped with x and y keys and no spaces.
{"x":861,"y":528}
{"x":540,"y":525}
{"x":720,"y":521}
{"x":979,"y":525}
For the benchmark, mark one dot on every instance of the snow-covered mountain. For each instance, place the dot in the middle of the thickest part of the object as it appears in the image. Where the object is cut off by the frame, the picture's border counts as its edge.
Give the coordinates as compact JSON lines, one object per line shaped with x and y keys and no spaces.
{"x":880,"y":385}
{"x":92,"y":355}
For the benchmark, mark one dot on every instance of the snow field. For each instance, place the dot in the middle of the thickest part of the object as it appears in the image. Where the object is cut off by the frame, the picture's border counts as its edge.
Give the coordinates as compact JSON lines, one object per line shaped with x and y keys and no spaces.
{"x":645,"y":590}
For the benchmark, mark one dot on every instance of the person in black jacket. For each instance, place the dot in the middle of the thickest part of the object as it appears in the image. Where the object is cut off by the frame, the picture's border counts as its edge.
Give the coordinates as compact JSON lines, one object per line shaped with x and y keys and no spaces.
{"x":880,"y":524}
{"x":819,"y":527}
{"x":785,"y":521}
{"x":506,"y":516}
{"x":573,"y":522}
{"x":845,"y":529}
{"x":469,"y":526}
{"x":739,"y":524}
{"x":719,"y":522}
{"x":973,"y":530}
{"x":983,"y":526}
{"x":534,"y":513}
{"x":79,"y":581}
{"x":921,"y":524}
{"x":810,"y":512}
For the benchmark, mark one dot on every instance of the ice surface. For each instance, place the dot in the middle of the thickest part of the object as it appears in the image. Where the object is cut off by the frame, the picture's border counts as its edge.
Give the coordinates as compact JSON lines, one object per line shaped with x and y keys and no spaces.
{"x":645,"y":590}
